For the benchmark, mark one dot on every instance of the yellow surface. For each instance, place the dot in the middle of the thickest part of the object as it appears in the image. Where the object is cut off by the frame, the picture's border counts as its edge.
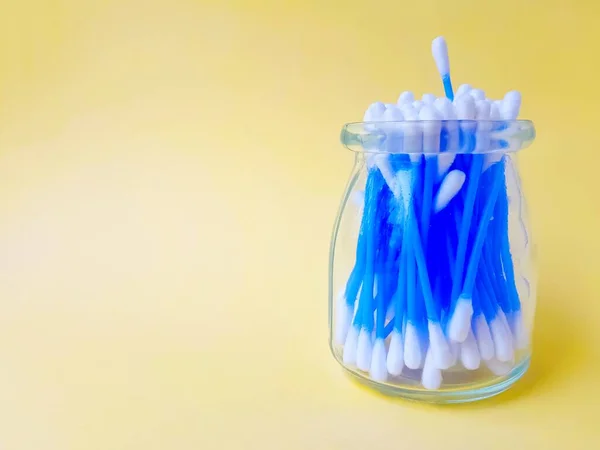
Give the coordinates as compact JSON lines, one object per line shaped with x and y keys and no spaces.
{"x":169,"y":176}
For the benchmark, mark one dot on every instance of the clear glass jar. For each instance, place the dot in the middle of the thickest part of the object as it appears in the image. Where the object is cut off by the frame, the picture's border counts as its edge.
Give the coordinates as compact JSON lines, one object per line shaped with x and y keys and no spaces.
{"x":431,"y":284}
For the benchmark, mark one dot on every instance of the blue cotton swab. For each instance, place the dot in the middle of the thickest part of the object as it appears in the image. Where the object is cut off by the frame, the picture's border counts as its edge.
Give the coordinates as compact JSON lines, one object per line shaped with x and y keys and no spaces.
{"x":431,"y":145}
{"x":450,"y":134}
{"x":365,"y":346}
{"x":395,"y":357}
{"x":462,"y":311}
{"x":479,"y":323}
{"x":450,"y":186}
{"x":372,"y":188}
{"x":439,"y":48}
{"x":438,"y":344}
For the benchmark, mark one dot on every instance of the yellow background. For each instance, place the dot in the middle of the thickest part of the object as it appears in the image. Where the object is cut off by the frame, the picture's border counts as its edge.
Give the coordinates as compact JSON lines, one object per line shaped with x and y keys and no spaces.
{"x":169,"y":176}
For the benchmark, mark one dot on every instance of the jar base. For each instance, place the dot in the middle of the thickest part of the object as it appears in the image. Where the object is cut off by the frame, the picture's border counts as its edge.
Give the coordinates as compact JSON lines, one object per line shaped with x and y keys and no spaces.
{"x":466,"y":394}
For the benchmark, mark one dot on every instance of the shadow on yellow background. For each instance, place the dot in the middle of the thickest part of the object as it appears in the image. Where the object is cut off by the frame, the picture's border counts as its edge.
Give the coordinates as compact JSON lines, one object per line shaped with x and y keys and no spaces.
{"x":170,"y":174}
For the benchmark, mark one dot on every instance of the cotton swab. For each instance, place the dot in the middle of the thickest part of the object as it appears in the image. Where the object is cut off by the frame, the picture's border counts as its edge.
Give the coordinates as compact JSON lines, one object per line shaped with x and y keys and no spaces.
{"x":431,"y":145}
{"x":448,"y":189}
{"x":431,"y":377}
{"x":463,"y":89}
{"x":477,"y":94}
{"x":363,"y":321}
{"x":460,"y":321}
{"x":406,"y":97}
{"x":499,"y":368}
{"x":450,"y":133}
{"x":483,"y":335}
{"x":469,"y":353}
{"x":439,"y":48}
{"x":428,"y":99}
{"x":378,"y":369}
{"x":395,"y":356}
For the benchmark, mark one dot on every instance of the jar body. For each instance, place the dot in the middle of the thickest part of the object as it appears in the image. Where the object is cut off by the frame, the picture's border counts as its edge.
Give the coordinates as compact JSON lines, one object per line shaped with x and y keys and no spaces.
{"x":432,"y":281}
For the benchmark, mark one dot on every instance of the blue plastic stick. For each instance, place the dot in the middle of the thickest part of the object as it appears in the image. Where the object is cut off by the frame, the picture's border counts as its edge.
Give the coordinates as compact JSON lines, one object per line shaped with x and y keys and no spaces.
{"x":480,"y":238}
{"x":363,"y":317}
{"x":448,"y":91}
{"x":430,"y":173}
{"x":506,"y":258}
{"x":415,"y":240}
{"x":411,"y":300}
{"x":470,"y":196}
{"x":487,"y":306}
{"x":400,"y":295}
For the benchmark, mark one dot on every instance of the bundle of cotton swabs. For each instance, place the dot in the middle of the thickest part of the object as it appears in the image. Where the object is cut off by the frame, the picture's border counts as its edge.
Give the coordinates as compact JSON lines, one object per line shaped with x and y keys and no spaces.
{"x":433,"y":285}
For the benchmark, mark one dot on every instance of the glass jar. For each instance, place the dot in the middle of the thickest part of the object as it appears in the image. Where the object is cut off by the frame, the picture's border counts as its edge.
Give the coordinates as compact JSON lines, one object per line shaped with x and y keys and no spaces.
{"x":431,"y":283}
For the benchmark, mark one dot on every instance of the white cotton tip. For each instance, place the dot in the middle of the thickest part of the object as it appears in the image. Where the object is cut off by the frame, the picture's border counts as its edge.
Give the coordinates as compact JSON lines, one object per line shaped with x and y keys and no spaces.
{"x":482,"y":109}
{"x":490,"y":160}
{"x":364,"y":350}
{"x":395,"y":356}
{"x":485,"y":344}
{"x":495,"y":115}
{"x":449,"y":187}
{"x":502,"y":340}
{"x":378,"y":369}
{"x":463,"y":89}
{"x":428,"y":99}
{"x":469,"y":353}
{"x":374,"y":112}
{"x":343,"y":320}
{"x":482,"y":137}
{"x":406,"y":97}
{"x":358,"y":198}
{"x":504,"y":320}
{"x":350,"y":347}
{"x":460,"y":323}
{"x":431,"y":378}
{"x":385,"y":167}
{"x":477,"y":94}
{"x":511,"y":105}
{"x":393,"y":114}
{"x":429,"y":112}
{"x":465,"y":107}
{"x":445,"y":161}
{"x":390,"y":313}
{"x":438,"y":346}
{"x":446,"y":108}
{"x":499,"y":368}
{"x":448,"y":113}
{"x":520,"y":335}
{"x":439,"y":50}
{"x":409,"y":111}
{"x":431,"y":128}
{"x":417,"y":105}
{"x":455,"y":350}
{"x":413,"y":137}
{"x":495,"y":110}
{"x":412,"y":348}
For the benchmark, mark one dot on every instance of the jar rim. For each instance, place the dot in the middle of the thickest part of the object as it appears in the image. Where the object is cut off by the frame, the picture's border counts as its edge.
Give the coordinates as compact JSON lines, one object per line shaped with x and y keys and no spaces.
{"x":433,"y":136}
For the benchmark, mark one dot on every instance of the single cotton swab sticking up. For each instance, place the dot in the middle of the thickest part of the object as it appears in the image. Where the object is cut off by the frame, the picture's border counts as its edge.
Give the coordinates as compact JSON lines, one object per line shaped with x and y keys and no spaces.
{"x":439,"y":48}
